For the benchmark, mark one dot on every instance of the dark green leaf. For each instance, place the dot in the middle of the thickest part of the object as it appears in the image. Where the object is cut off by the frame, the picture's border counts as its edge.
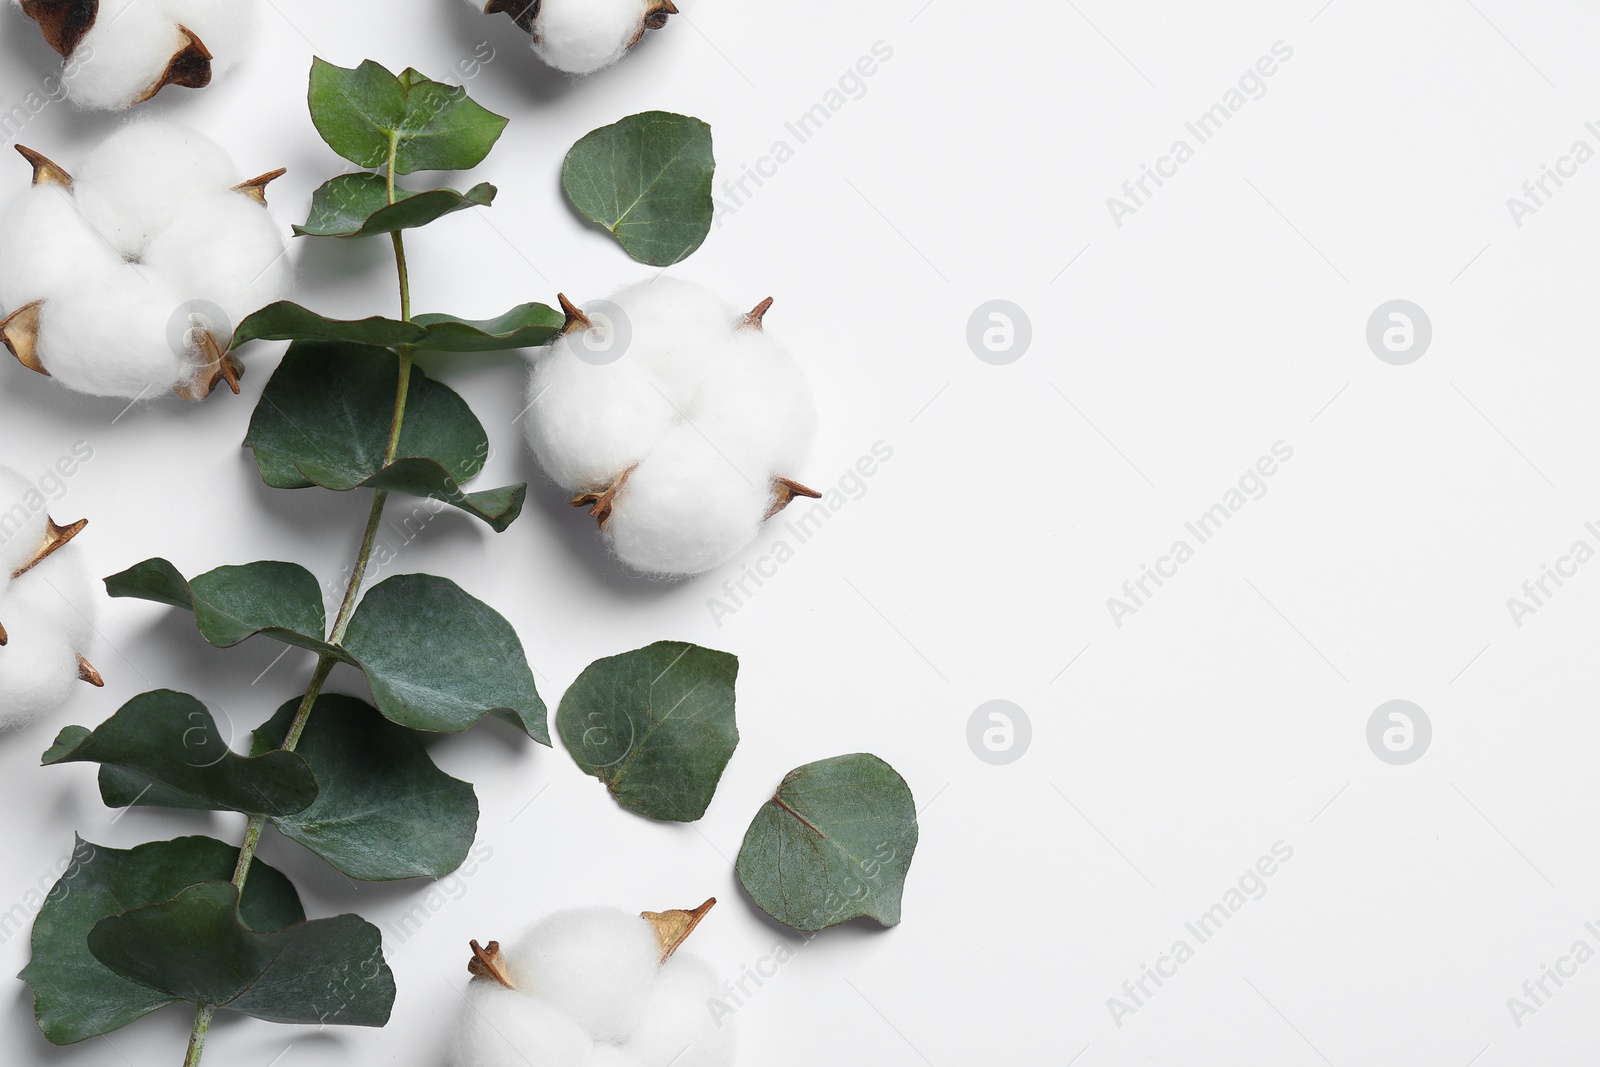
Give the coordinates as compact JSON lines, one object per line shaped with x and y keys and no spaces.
{"x":384,"y":810}
{"x":357,"y":205}
{"x":833,"y":843}
{"x":75,"y":997}
{"x":438,"y":659}
{"x":367,"y":114}
{"x":195,"y":947}
{"x":656,"y":726}
{"x":285,"y":321}
{"x":278,"y":600}
{"x":646,"y":179}
{"x":325,"y":416}
{"x":524,"y":326}
{"x":356,"y":111}
{"x":171,"y":739}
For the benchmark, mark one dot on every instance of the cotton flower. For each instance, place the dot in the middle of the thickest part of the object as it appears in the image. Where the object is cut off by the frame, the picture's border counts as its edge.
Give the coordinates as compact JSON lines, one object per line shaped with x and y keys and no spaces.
{"x":676,"y":420}
{"x":582,"y":36}
{"x":118,"y":53}
{"x":128,"y":279}
{"x":594,"y":987}
{"x":47,"y":606}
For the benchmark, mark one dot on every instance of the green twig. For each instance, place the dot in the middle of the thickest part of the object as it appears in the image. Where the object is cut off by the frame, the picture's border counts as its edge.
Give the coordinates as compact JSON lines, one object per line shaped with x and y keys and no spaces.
{"x":341,"y":623}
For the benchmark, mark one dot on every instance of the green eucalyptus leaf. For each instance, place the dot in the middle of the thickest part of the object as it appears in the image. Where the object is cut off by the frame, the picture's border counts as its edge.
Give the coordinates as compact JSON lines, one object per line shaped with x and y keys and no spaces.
{"x":171,"y":739}
{"x":356,"y":110}
{"x":440,"y":660}
{"x":197,"y":947}
{"x":647,"y":180}
{"x":385,"y":811}
{"x":278,"y":600}
{"x":656,"y":726}
{"x":324,"y":419}
{"x":285,"y":321}
{"x":357,"y":205}
{"x":524,"y":326}
{"x":367,"y":115}
{"x":833,"y":844}
{"x":75,"y":997}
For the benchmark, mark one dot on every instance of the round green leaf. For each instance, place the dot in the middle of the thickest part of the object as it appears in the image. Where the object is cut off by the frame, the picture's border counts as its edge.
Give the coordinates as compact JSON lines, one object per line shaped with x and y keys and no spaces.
{"x":385,"y":811}
{"x":195,"y":947}
{"x":324,"y":419}
{"x":647,"y":180}
{"x":75,"y":997}
{"x":171,"y":739}
{"x":356,"y":111}
{"x":440,"y":660}
{"x":833,"y":844}
{"x":656,"y":726}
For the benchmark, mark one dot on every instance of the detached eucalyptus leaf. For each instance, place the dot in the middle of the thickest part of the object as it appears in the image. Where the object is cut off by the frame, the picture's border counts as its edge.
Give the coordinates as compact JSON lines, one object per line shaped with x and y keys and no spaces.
{"x":439,"y":660}
{"x":231,"y":604}
{"x":656,"y":726}
{"x":196,"y":947}
{"x":833,"y":844}
{"x":524,"y":326}
{"x":357,"y":205}
{"x":369,"y":115}
{"x":170,"y":739}
{"x":285,"y":321}
{"x":75,"y":997}
{"x":385,"y":811}
{"x":647,"y":180}
{"x":324,"y":420}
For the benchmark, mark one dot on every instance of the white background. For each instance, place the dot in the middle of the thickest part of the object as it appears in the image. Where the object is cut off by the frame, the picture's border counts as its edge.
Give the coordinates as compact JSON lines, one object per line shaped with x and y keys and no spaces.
{"x":1168,"y":754}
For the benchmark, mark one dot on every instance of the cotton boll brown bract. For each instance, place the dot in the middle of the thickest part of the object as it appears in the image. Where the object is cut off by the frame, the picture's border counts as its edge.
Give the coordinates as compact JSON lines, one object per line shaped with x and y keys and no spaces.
{"x":593,"y":987}
{"x":119,"y":53}
{"x":146,"y":263}
{"x":686,"y":442}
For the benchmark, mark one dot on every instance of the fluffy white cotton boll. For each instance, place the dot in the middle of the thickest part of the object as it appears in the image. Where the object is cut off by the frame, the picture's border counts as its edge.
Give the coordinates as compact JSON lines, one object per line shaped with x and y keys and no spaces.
{"x":38,"y":668}
{"x":109,"y":336}
{"x":144,"y":176}
{"x":506,"y":1028}
{"x":127,"y":51}
{"x":610,"y":1056}
{"x":58,"y":594}
{"x":225,"y":27}
{"x":23,"y":523}
{"x":756,"y":403}
{"x":685,"y":508}
{"x":677,"y":1028}
{"x":583,"y":36}
{"x":45,"y":245}
{"x":595,"y":964}
{"x":588,"y":423}
{"x":224,"y":250}
{"x":676,"y":331}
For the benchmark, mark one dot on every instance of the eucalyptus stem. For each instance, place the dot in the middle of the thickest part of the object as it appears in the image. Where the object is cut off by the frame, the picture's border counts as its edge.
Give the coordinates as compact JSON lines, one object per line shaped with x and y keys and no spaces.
{"x":197,"y":1037}
{"x":341,"y":623}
